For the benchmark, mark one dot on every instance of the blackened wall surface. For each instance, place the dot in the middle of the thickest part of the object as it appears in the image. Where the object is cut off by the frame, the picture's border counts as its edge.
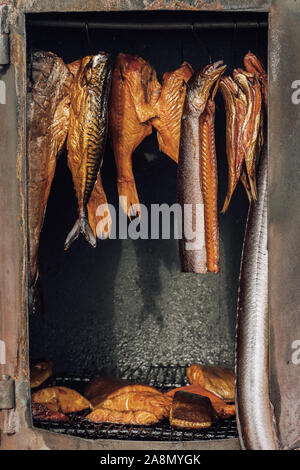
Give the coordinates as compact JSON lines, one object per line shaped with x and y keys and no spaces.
{"x":126,"y":302}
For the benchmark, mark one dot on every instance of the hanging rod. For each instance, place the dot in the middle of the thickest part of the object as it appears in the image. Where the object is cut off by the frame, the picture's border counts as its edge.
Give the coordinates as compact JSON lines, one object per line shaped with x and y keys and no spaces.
{"x":147,"y":26}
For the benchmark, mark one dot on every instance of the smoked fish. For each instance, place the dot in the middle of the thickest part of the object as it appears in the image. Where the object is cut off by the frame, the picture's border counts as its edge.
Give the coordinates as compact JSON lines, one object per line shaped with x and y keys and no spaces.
{"x":209,"y":185}
{"x":134,"y":91}
{"x":168,"y":109}
{"x":192,"y":246}
{"x":104,"y":415}
{"x":223,"y":409}
{"x":236,"y":110}
{"x":48,"y":110}
{"x":191,"y":411}
{"x":87,"y":136}
{"x":215,"y":379}
{"x":252,"y":137}
{"x":255,"y":66}
{"x":61,"y":399}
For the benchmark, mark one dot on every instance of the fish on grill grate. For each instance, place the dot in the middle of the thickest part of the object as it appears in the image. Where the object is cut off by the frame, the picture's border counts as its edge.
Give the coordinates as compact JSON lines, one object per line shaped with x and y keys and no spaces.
{"x":215,"y":379}
{"x":40,"y":372}
{"x":61,"y":399}
{"x":223,"y":409}
{"x":140,"y":417}
{"x":191,"y":411}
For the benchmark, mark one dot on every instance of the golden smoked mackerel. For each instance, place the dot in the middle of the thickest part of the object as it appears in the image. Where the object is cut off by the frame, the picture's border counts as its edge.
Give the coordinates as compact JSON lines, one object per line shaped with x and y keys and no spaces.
{"x":168,"y":109}
{"x":209,"y":185}
{"x":48,"y":107}
{"x":134,"y":91}
{"x":87,"y":135}
{"x":189,"y":195}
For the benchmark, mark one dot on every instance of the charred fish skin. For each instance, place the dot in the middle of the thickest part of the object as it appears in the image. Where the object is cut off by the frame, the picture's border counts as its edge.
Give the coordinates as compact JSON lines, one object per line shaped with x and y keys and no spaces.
{"x":48,"y":108}
{"x":87,"y":135}
{"x":192,"y":247}
{"x":209,"y":185}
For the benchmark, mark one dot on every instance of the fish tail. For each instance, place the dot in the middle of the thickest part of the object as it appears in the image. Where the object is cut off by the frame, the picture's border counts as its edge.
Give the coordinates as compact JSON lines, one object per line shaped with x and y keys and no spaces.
{"x":128,"y":197}
{"x":252,"y":183}
{"x":81,"y":226}
{"x":227,"y":202}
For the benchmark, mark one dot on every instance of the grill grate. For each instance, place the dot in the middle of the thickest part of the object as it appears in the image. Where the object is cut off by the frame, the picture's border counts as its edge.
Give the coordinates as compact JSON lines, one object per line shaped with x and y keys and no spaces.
{"x":163,"y":377}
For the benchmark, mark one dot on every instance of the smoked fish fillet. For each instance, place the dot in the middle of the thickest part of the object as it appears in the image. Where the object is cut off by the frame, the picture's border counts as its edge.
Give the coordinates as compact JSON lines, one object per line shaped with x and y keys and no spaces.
{"x":40,"y":372}
{"x":87,"y":136}
{"x":61,"y":399}
{"x":168,"y":109}
{"x":104,"y":415}
{"x":48,"y":110}
{"x":191,"y":411}
{"x":140,"y":401}
{"x":108,"y":387}
{"x":134,"y":90}
{"x":223,"y":409}
{"x":215,"y":379}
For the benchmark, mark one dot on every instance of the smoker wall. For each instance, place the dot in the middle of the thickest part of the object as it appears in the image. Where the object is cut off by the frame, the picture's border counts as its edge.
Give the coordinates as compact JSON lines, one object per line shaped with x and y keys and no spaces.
{"x":126,"y":302}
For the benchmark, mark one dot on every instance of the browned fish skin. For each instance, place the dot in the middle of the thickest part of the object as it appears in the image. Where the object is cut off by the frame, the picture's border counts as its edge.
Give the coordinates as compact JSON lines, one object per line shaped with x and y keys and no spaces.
{"x":104,"y":415}
{"x":133,"y":92}
{"x":209,"y":185}
{"x":191,"y":411}
{"x":48,"y":108}
{"x":61,"y":399}
{"x":255,"y":66}
{"x":236,"y":107}
{"x":168,"y":109}
{"x":193,"y":250}
{"x":87,"y":135}
{"x":253,"y":124}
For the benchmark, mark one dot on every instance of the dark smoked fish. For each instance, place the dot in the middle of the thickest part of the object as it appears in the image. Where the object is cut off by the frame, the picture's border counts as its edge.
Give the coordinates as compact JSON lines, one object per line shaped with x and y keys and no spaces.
{"x":87,"y":135}
{"x":48,"y":107}
{"x":189,"y":195}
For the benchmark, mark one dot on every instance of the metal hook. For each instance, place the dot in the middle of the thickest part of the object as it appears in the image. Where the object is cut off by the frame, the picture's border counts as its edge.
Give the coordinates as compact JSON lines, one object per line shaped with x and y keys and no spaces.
{"x":87,"y":33}
{"x":234,"y":42}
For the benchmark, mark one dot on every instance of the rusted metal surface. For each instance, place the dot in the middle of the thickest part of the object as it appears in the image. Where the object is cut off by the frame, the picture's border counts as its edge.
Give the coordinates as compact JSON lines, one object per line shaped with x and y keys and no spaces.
{"x":284,"y":219}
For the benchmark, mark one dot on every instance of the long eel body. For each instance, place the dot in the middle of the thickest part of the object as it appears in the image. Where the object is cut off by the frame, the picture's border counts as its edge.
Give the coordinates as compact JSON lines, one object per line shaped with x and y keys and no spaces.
{"x":255,"y":417}
{"x":192,"y":247}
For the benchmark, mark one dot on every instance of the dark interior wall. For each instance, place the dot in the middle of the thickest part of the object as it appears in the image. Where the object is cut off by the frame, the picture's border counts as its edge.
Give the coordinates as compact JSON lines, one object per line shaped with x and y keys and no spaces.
{"x":126,"y":302}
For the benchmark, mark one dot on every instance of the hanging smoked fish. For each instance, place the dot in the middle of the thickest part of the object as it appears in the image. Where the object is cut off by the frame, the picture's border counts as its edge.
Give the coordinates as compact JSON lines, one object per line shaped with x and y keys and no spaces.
{"x":192,"y":246}
{"x":87,"y":135}
{"x":134,"y":92}
{"x":255,"y":66}
{"x":168,"y":109}
{"x":252,"y":137}
{"x":209,"y":185}
{"x":236,"y":110}
{"x":48,"y":108}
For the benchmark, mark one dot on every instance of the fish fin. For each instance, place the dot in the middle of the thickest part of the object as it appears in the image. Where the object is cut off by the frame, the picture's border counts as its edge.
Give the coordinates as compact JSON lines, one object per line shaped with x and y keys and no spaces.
{"x":81,"y":226}
{"x":226,"y":202}
{"x":128,"y":198}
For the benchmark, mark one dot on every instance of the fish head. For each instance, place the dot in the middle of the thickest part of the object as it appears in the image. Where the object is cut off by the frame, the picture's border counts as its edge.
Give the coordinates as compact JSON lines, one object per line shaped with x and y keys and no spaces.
{"x":254,"y":65}
{"x":201,"y":84}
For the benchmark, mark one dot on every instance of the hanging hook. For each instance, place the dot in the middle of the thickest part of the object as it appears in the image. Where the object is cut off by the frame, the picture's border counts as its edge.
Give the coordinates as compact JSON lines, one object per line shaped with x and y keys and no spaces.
{"x":87,"y":33}
{"x":234,"y":42}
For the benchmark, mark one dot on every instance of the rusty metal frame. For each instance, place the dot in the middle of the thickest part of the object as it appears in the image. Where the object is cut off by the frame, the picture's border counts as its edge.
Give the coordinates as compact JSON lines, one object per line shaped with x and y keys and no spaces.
{"x":284,"y":131}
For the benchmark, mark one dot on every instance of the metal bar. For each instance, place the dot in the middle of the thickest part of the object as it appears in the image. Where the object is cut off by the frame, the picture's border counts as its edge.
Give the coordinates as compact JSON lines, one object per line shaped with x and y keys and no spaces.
{"x":147,"y":26}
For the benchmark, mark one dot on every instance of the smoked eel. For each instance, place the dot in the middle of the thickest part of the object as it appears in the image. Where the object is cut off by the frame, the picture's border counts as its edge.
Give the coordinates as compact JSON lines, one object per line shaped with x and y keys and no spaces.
{"x":192,"y":245}
{"x":87,"y":136}
{"x":209,"y":185}
{"x":168,"y":109}
{"x":134,"y":91}
{"x":48,"y":108}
